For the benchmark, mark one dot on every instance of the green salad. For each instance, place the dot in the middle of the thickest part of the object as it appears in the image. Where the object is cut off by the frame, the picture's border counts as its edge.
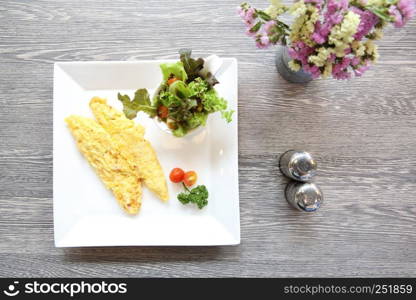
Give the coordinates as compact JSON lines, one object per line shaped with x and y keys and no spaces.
{"x":184,"y":99}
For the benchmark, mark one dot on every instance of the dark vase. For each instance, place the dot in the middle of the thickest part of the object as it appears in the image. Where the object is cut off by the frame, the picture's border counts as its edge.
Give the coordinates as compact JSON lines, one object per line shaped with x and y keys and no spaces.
{"x":282,"y":65}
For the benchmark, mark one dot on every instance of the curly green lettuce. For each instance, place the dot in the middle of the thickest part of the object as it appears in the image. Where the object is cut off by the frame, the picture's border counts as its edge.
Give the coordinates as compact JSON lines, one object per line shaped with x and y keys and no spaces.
{"x":198,"y":87}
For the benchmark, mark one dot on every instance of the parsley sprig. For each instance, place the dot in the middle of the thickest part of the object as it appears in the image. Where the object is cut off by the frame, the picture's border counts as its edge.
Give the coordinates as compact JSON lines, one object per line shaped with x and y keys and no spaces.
{"x":198,"y":195}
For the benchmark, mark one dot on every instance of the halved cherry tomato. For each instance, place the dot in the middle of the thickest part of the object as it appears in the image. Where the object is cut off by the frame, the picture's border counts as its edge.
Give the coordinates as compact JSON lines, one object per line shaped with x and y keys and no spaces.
{"x":163,"y":112}
{"x":176,"y":175}
{"x":172,"y":80}
{"x":190,"y":178}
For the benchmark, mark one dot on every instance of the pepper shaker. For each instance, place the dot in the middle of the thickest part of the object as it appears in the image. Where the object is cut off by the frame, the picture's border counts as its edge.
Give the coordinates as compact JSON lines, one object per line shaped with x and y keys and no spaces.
{"x":298,"y":165}
{"x":306,"y":197}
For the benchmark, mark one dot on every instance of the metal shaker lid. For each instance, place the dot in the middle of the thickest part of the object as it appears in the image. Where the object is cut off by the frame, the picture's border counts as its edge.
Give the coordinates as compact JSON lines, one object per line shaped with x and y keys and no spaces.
{"x":304,"y":196}
{"x":302,"y":166}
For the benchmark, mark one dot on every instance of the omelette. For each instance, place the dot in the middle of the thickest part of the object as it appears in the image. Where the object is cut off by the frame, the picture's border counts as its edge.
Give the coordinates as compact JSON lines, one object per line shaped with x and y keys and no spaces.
{"x":99,"y":149}
{"x":129,"y":140}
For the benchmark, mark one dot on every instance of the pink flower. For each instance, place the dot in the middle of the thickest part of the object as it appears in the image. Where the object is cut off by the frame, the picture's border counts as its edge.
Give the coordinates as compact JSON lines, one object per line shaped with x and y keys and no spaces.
{"x":318,"y":38}
{"x":355,"y":61}
{"x":334,"y":5}
{"x":265,"y":40}
{"x":249,"y":32}
{"x":321,"y":32}
{"x":292,"y":52}
{"x":395,"y":13}
{"x":367,"y":22}
{"x":361,"y":70}
{"x":313,"y":70}
{"x":333,"y":15}
{"x":268,"y":26}
{"x":344,"y":4}
{"x":300,"y":44}
{"x":343,"y":75}
{"x":247,"y":15}
{"x":336,"y":18}
{"x":407,"y":9}
{"x":403,"y":12}
{"x":340,"y":69}
{"x":301,"y":52}
{"x":262,"y":42}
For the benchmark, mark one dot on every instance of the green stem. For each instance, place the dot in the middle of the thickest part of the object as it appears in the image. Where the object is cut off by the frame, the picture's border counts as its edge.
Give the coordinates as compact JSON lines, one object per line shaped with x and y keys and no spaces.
{"x":186,"y":188}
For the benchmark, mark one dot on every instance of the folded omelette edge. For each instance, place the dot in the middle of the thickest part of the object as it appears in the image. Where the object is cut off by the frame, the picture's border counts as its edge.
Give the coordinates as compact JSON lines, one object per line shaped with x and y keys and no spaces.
{"x":129,"y":138}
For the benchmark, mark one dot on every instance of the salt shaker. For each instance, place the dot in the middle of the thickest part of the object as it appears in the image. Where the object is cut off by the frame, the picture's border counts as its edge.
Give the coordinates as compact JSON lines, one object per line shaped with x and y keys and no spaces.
{"x":306,"y":197}
{"x":298,"y":165}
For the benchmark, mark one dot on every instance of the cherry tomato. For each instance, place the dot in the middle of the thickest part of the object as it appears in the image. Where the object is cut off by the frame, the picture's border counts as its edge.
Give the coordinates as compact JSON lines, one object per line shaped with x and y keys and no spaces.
{"x":190,"y":178}
{"x":172,"y":80}
{"x":176,"y":175}
{"x":163,"y":112}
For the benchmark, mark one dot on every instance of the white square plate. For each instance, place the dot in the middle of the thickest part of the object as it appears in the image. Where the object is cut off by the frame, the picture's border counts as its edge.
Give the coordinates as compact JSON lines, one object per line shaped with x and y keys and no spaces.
{"x":87,"y":214}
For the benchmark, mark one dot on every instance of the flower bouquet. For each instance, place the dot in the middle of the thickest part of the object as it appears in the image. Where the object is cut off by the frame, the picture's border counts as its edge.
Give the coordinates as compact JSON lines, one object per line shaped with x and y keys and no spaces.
{"x":327,"y":37}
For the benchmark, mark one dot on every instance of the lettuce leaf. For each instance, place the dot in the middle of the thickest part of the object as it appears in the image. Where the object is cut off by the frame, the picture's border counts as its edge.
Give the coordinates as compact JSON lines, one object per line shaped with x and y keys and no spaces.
{"x":176,"y":69}
{"x":197,"y":119}
{"x":198,"y":87}
{"x":211,"y":80}
{"x":169,"y":100}
{"x":192,"y":66}
{"x":140,"y":102}
{"x":212,"y":102}
{"x":179,"y":132}
{"x":179,"y":89}
{"x":227,"y":115}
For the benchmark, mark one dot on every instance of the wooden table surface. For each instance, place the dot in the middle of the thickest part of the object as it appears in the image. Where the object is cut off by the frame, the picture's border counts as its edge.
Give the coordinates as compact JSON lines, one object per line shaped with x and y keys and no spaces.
{"x":362,"y":132}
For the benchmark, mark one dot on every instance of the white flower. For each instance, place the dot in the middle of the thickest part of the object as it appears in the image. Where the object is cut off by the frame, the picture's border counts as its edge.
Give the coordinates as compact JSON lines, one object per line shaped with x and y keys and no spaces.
{"x":343,"y":34}
{"x":275,"y":9}
{"x":294,"y":66}
{"x":321,"y":58}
